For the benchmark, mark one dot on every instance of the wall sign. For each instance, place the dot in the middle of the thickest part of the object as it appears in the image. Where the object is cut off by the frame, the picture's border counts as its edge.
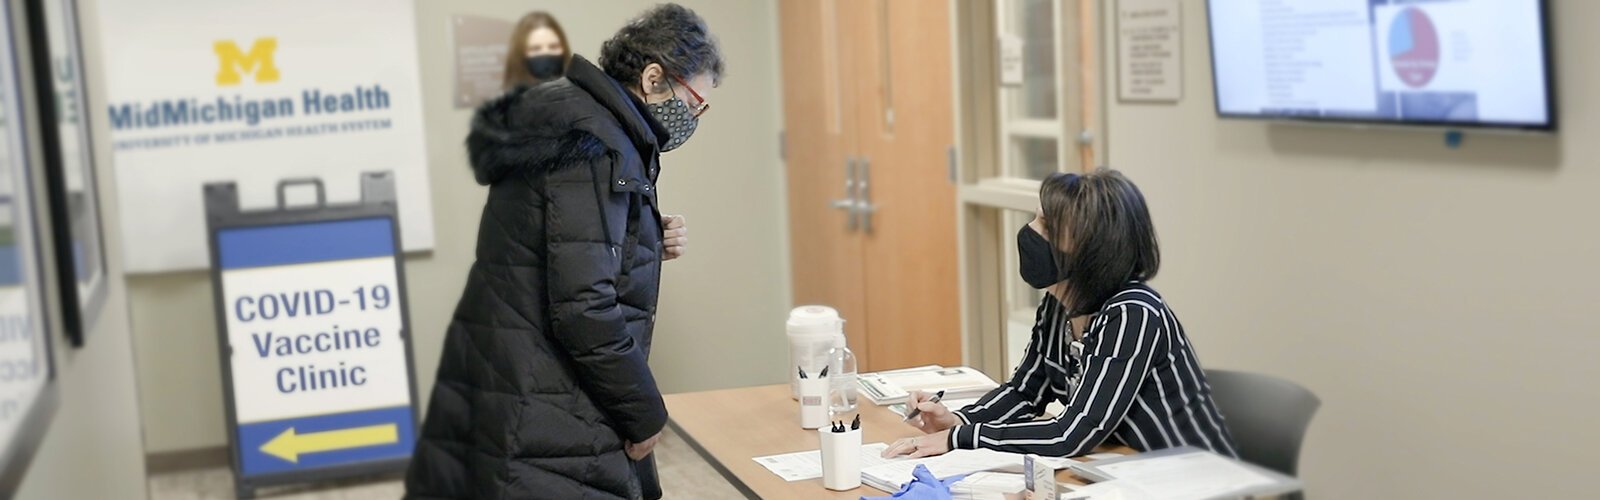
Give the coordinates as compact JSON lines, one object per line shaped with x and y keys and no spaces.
{"x":480,"y":49}
{"x":253,"y":91}
{"x":1012,"y":72}
{"x":1149,"y":50}
{"x":316,"y":354}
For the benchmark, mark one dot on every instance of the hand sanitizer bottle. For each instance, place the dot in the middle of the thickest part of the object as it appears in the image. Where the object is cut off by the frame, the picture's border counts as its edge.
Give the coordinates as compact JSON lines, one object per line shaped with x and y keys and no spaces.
{"x":842,"y":372}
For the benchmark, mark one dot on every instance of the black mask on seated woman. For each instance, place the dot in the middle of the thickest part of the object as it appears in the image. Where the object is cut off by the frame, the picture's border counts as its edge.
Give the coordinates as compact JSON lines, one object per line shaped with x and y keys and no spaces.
{"x":545,"y":67}
{"x":1036,"y":257}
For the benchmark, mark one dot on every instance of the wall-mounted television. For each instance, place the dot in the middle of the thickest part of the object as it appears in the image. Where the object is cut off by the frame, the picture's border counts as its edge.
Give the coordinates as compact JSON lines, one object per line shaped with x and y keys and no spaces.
{"x":1442,"y":63}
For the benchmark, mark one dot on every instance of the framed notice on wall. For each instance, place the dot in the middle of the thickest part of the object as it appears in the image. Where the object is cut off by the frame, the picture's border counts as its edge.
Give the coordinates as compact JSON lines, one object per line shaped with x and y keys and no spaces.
{"x":69,"y":165}
{"x":253,"y":91}
{"x":1149,"y":50}
{"x":480,"y":49}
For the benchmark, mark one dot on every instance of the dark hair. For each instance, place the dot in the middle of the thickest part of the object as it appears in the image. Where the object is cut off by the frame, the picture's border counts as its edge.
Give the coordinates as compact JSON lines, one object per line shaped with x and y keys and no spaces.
{"x":1102,"y":225}
{"x":668,"y":34}
{"x":517,"y":70}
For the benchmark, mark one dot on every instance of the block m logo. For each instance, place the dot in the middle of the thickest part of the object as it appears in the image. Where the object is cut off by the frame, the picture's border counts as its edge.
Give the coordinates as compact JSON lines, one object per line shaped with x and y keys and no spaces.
{"x":233,"y":63}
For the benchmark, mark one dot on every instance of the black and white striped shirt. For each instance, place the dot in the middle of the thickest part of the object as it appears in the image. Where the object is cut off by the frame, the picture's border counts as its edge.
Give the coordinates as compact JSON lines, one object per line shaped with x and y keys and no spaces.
{"x":1133,"y":376}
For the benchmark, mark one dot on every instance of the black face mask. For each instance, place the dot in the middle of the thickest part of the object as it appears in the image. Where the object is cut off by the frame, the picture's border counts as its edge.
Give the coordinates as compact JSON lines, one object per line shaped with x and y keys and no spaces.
{"x":545,"y":67}
{"x":1037,"y":259}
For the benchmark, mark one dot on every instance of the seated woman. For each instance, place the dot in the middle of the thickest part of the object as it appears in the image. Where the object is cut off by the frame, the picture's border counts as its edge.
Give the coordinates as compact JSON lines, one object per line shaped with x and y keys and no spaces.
{"x":1105,"y":345}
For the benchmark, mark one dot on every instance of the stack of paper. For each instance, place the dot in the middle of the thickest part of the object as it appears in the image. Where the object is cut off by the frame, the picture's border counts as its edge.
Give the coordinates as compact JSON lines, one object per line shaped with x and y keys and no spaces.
{"x":890,"y":476}
{"x":1184,"y":473}
{"x":987,"y":486}
{"x":803,"y":465}
{"x":952,"y":404}
{"x":895,"y":386}
{"x":1108,"y":490}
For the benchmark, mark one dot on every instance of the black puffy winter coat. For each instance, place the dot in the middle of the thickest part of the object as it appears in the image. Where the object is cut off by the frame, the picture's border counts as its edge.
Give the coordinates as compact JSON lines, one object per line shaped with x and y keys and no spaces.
{"x":543,"y":377}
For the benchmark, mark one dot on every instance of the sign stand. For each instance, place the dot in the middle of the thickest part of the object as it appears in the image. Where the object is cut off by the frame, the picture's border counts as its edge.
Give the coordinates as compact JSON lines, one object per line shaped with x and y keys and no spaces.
{"x":313,"y":335}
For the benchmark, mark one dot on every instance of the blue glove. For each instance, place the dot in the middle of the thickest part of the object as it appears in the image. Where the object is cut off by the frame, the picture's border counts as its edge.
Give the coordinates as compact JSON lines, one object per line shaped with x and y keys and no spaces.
{"x":923,"y":486}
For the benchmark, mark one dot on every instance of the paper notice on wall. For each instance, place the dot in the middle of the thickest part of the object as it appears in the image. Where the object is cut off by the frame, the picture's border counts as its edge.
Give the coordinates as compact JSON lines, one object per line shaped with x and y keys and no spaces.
{"x":1011,"y":70}
{"x":1149,"y":50}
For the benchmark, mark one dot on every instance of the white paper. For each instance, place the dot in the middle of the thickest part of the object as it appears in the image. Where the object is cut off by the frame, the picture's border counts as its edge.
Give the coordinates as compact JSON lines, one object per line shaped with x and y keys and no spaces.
{"x":1187,"y":476}
{"x":1011,"y":70}
{"x":1057,"y":463}
{"x":1108,"y":490}
{"x":987,"y":486}
{"x":954,"y":463}
{"x":958,"y":382}
{"x":804,"y":465}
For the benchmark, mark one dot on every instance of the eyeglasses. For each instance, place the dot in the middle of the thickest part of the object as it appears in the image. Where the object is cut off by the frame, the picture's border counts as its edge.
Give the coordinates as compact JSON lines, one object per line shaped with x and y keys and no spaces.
{"x":700,"y":106}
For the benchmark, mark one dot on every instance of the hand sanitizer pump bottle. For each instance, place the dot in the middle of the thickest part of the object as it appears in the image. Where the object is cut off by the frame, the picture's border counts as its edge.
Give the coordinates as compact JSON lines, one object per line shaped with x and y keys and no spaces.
{"x":842,"y":371}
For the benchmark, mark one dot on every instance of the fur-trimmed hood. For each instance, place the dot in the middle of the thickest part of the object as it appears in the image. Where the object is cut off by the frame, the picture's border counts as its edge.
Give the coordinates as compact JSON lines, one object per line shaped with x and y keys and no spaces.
{"x":566,"y":121}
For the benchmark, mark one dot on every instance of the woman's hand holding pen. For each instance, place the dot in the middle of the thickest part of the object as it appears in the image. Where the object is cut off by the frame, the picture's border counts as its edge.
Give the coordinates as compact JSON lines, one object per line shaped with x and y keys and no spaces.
{"x":934,"y":416}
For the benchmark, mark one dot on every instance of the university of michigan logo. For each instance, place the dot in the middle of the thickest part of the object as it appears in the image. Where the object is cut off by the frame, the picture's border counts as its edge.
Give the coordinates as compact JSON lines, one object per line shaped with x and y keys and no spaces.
{"x":234,"y":64}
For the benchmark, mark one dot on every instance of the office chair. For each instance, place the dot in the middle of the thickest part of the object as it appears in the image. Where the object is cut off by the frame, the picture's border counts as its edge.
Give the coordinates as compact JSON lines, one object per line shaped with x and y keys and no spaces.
{"x":1267,"y":415}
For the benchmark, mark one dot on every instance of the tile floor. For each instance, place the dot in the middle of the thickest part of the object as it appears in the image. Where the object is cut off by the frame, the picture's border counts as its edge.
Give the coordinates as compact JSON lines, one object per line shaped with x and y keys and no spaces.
{"x":684,"y":474}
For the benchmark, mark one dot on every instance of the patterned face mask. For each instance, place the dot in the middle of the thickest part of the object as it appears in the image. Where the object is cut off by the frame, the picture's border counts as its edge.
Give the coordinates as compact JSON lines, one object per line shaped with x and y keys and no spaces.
{"x":680,"y":121}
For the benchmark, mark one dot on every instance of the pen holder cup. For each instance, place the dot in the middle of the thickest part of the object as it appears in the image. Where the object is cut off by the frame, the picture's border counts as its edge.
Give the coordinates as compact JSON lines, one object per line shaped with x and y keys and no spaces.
{"x":841,"y":459}
{"x":813,"y":402}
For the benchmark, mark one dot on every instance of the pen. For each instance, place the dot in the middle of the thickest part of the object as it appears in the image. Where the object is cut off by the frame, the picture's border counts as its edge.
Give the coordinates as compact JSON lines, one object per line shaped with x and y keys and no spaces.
{"x":914,"y":411}
{"x":802,"y":371}
{"x":824,"y":373}
{"x":856,"y":424}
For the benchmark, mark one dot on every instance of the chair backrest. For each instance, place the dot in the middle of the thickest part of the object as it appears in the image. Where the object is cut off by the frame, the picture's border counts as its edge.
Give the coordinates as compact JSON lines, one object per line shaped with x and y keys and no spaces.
{"x":1267,"y":415}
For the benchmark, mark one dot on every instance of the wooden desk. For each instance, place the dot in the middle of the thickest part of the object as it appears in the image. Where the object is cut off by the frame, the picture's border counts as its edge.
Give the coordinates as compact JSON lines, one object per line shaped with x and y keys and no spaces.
{"x":731,"y":427}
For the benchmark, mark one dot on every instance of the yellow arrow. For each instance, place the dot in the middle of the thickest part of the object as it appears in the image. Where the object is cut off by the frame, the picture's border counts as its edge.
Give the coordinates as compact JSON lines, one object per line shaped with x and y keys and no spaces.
{"x":289,"y":446}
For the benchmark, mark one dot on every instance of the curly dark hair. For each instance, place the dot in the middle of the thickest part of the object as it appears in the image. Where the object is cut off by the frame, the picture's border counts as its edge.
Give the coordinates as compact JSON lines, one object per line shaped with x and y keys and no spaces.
{"x":668,"y":34}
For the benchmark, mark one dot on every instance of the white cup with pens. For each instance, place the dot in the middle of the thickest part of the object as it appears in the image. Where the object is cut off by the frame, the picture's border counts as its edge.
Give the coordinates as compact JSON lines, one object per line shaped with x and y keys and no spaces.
{"x":813,"y":398}
{"x":841,"y":455}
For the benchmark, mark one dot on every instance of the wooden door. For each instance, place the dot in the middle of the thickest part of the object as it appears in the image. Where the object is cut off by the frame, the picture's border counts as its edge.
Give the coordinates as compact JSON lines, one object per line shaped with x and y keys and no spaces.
{"x":820,"y":138}
{"x":905,"y":104}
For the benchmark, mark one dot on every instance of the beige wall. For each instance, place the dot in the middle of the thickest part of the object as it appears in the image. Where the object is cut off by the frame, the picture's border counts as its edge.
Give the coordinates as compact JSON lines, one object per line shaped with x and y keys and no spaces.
{"x":722,"y":306}
{"x":94,"y":447}
{"x":1438,"y":300}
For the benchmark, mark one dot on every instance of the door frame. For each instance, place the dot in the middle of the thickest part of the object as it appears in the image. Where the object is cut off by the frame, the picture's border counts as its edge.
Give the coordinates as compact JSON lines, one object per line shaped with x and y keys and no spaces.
{"x":983,"y":192}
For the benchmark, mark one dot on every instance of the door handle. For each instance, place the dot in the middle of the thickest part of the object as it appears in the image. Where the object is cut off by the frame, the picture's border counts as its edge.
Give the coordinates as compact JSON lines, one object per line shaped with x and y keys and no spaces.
{"x":864,"y":206}
{"x":848,"y":203}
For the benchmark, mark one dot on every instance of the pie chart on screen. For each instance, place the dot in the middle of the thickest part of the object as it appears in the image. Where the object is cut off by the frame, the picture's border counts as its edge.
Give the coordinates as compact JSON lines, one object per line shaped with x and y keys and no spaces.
{"x":1414,"y":47}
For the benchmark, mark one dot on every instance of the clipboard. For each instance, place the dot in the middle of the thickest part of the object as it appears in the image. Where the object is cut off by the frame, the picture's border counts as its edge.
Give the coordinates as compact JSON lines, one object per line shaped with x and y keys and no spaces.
{"x":1280,"y":484}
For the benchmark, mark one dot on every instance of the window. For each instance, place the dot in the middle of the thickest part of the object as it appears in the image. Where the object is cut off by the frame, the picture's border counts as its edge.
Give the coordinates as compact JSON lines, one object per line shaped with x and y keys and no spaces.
{"x":1012,"y":135}
{"x":1030,"y":110}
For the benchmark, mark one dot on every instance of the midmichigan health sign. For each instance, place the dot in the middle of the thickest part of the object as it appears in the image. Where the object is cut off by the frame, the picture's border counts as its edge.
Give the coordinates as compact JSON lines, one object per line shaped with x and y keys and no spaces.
{"x":251,"y":92}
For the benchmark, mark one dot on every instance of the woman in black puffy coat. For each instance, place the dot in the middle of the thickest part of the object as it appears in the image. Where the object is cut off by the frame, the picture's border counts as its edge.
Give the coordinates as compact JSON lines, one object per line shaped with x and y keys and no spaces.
{"x":543,"y":390}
